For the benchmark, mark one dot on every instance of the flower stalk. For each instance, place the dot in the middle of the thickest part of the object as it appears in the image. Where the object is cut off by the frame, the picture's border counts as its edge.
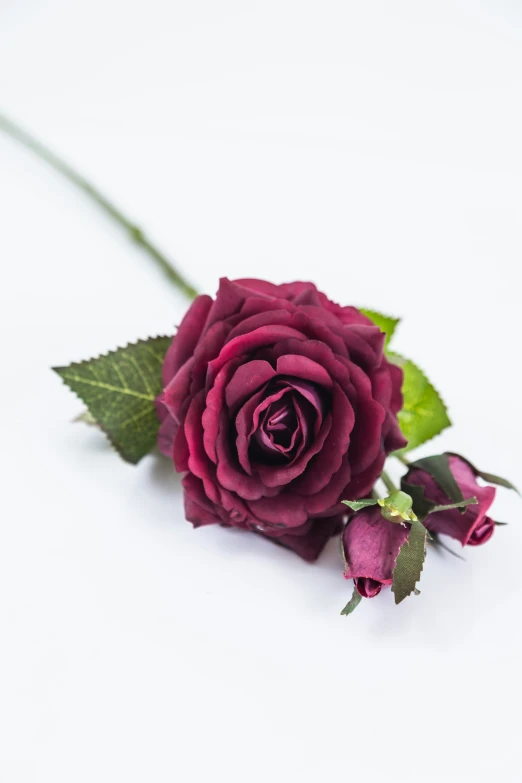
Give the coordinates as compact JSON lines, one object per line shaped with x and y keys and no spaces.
{"x":134,"y":232}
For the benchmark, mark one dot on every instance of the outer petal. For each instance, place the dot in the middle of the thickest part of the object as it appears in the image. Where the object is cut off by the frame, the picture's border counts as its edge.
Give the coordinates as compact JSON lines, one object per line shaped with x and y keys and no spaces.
{"x":371,"y":545}
{"x":309,"y":541}
{"x":186,"y":339}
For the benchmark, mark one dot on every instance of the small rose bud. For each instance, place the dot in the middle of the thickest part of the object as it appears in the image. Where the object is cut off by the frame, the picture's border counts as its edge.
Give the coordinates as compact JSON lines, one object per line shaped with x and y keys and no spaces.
{"x":371,"y":545}
{"x":473,"y":526}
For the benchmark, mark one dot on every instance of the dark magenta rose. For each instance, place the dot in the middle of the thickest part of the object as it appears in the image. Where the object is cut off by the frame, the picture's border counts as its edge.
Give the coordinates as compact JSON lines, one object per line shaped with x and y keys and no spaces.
{"x":277,"y":404}
{"x":371,"y":546}
{"x":472,"y":528}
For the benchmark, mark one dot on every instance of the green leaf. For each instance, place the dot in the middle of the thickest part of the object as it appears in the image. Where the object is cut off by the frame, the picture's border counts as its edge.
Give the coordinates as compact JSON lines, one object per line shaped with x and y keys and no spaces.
{"x":423,"y":414}
{"x":439,"y":469}
{"x":119,"y":390}
{"x":410,"y":561}
{"x":386,"y":323}
{"x":353,"y":603}
{"x":356,"y":505}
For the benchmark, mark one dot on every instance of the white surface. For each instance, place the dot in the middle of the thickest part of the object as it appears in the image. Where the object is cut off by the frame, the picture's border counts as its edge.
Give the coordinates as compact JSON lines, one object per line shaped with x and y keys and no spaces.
{"x":372,"y":147}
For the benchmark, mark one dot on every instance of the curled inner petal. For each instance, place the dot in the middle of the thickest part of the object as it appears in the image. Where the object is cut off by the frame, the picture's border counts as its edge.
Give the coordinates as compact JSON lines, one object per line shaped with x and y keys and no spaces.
{"x":367,"y":587}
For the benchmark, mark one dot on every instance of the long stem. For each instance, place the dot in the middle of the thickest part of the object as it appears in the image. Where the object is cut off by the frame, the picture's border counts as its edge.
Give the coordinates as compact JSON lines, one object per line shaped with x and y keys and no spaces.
{"x":401,"y":459}
{"x":135,"y":233}
{"x":388,"y":483}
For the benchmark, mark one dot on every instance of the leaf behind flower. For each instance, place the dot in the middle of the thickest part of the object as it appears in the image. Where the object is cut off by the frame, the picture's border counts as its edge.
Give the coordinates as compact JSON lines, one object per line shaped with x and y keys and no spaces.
{"x":386,"y":323}
{"x":424,"y":414}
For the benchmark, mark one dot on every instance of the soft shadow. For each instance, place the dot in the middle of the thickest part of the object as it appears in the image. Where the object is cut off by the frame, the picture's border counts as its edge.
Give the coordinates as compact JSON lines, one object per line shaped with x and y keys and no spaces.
{"x":162,"y":473}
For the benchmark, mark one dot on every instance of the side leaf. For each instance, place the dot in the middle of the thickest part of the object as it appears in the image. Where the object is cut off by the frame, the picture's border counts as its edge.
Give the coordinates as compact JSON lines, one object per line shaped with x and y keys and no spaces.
{"x":386,"y":323}
{"x":410,"y":562}
{"x":353,"y":603}
{"x":119,"y":390}
{"x":423,"y":414}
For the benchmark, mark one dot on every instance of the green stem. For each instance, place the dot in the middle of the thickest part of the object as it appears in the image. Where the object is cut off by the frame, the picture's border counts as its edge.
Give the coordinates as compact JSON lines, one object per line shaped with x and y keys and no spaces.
{"x":135,"y":233}
{"x":390,"y":486}
{"x":402,"y":459}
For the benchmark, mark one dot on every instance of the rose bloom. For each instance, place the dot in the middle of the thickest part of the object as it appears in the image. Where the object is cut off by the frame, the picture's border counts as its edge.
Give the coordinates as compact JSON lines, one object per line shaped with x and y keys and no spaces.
{"x":277,"y":405}
{"x":474,"y":526}
{"x":371,"y":545}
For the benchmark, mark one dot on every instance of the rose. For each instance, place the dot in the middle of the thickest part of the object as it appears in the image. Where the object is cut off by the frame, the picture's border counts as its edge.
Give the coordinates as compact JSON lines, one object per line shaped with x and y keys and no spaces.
{"x":277,"y":404}
{"x":371,"y":546}
{"x":473,"y":527}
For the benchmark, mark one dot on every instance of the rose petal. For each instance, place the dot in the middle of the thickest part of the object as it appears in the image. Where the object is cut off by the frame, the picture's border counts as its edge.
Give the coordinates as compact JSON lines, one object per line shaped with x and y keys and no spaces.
{"x":247,"y":379}
{"x":186,"y":339}
{"x":309,"y":541}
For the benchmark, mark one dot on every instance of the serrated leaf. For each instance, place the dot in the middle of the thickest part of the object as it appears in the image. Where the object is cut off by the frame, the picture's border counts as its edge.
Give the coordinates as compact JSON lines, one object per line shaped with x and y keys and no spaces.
{"x":386,"y":323}
{"x":423,"y":414}
{"x":353,"y":603}
{"x":410,"y":561}
{"x":119,"y":390}
{"x":356,"y":505}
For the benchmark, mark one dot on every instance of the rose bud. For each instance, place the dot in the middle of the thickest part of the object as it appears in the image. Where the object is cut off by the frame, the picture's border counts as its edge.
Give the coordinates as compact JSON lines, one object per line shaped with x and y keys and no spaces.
{"x":371,"y":546}
{"x":277,"y":404}
{"x":472,"y":527}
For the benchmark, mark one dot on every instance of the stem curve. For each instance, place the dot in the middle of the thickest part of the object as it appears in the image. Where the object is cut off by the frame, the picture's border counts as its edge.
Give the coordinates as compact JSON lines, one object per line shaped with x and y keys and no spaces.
{"x":135,"y":233}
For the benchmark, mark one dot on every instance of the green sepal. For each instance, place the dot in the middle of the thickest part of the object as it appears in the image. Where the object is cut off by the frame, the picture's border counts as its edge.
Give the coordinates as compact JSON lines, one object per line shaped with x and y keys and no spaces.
{"x":423,"y":414}
{"x":386,"y":323}
{"x":353,"y":603}
{"x":438,"y":468}
{"x":397,"y":507}
{"x":422,"y":506}
{"x":460,"y":505}
{"x":119,"y":390}
{"x":489,"y":478}
{"x":356,"y":505}
{"x":410,"y":562}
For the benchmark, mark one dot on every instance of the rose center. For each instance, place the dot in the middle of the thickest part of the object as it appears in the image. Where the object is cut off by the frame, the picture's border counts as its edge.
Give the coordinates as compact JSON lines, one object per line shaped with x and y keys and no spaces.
{"x":278,"y":426}
{"x":286,"y":421}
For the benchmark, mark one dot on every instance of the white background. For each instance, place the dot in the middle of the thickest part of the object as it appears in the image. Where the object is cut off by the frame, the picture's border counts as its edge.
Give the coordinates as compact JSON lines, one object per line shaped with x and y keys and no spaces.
{"x":373,"y":147}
